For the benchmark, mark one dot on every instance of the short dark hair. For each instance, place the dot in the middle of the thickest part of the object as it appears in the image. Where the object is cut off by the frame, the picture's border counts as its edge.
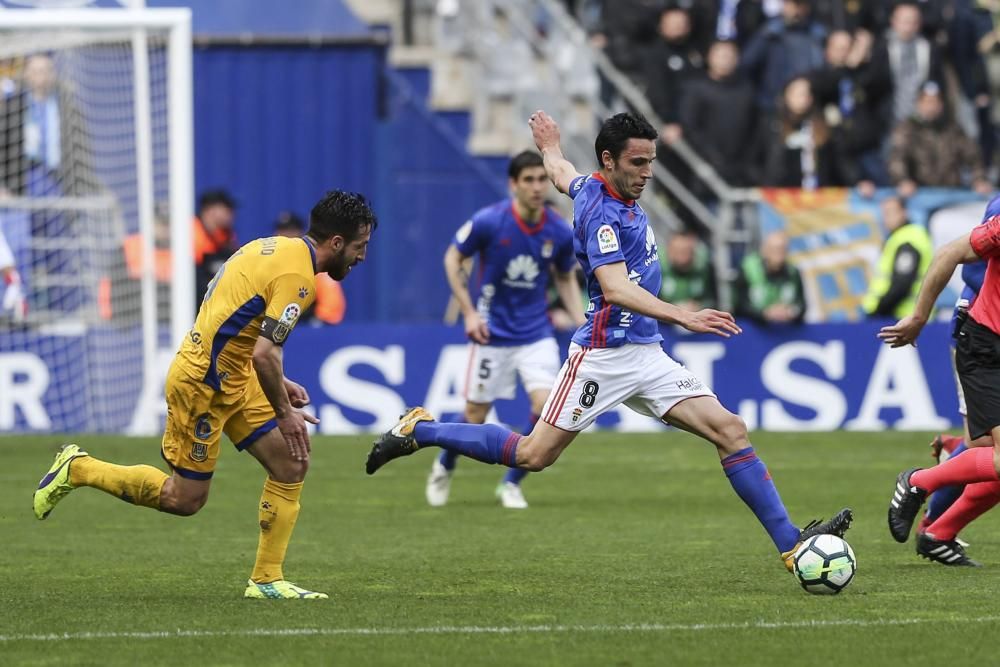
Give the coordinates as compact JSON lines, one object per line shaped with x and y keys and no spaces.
{"x":289,"y":220}
{"x":617,"y":130}
{"x":215,"y":196}
{"x":341,"y":213}
{"x":522,"y":161}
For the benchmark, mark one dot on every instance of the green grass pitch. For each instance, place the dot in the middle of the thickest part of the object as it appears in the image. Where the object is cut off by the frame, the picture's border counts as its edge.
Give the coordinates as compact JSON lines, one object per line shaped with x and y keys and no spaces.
{"x":635,"y":551}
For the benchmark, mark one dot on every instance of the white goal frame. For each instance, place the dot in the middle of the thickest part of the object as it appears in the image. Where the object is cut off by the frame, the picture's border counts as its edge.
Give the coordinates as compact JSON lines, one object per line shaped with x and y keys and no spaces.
{"x":176,"y":22}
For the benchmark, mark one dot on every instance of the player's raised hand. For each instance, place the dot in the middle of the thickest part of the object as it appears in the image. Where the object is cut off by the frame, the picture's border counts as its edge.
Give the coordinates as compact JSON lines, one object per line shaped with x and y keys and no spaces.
{"x":293,"y":428}
{"x":297,"y":394}
{"x":544,"y":130}
{"x":476,"y":329}
{"x":711,"y":321}
{"x":903,"y":332}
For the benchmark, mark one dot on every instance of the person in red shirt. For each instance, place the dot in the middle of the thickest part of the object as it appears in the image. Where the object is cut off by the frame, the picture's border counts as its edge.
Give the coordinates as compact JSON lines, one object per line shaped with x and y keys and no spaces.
{"x":977,"y":360}
{"x":214,"y":237}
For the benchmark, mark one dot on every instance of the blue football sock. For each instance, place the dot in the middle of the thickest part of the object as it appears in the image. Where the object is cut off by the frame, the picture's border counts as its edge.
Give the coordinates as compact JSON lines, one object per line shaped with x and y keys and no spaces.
{"x":517,"y":475}
{"x":944,"y":497}
{"x":752,"y":483}
{"x":488,"y":443}
{"x":448,"y":459}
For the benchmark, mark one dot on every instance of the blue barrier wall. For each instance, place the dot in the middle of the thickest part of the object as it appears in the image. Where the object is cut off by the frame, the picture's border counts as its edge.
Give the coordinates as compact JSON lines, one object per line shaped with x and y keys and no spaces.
{"x":360,"y":377}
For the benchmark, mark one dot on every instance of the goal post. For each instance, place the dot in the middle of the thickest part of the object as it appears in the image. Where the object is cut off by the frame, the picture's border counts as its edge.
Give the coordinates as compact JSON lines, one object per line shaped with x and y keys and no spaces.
{"x":119,"y":185}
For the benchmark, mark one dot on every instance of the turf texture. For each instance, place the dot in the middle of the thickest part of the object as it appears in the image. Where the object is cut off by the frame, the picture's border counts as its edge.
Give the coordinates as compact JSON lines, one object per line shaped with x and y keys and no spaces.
{"x":635,"y":551}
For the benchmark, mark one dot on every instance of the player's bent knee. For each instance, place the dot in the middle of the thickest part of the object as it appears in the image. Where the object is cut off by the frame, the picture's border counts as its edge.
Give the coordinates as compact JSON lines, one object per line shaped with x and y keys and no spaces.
{"x":182,"y":505}
{"x":732,"y":433}
{"x":289,"y":471}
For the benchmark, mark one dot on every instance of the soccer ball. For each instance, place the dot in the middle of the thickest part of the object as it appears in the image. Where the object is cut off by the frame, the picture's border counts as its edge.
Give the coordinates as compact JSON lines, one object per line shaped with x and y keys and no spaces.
{"x":825,"y":564}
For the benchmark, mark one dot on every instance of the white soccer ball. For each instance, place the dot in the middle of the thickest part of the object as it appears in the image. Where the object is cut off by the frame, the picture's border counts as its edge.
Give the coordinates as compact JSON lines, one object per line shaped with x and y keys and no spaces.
{"x":825,"y":564}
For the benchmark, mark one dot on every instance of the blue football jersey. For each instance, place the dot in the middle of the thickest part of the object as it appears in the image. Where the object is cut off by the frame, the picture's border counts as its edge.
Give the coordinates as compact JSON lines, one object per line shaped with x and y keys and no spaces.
{"x":609,"y":229}
{"x":514,"y":259}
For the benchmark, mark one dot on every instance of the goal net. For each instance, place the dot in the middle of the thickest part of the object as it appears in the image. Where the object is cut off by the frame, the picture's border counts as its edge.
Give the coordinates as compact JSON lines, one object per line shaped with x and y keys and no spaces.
{"x":95,"y":213}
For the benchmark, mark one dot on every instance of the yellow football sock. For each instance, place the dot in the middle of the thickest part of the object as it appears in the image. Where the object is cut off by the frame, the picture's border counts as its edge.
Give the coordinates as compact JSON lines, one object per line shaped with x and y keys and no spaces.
{"x":139,"y":485}
{"x":279,"y":508}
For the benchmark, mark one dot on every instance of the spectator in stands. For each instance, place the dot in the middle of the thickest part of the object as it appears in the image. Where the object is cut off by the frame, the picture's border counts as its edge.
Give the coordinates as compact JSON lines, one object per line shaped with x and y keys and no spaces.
{"x":119,"y":294}
{"x":768,"y":288}
{"x":796,"y":144}
{"x":849,"y":15}
{"x":929,"y":149}
{"x":625,"y":30}
{"x":330,"y":304}
{"x":850,"y":95}
{"x":214,"y":237}
{"x":783,"y":48}
{"x":671,"y":63}
{"x":906,"y":255}
{"x":975,"y":47}
{"x":719,"y":117}
{"x":688,"y":275}
{"x":44,"y":145}
{"x":909,"y":58}
{"x":45,"y":152}
{"x":725,"y":21}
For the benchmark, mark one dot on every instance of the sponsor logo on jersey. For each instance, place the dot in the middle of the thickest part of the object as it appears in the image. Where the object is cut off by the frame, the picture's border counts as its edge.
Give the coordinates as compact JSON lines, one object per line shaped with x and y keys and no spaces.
{"x":290,"y":315}
{"x":607,"y":241}
{"x":578,"y":184}
{"x":463,"y":232}
{"x":521,"y":272}
{"x":650,"y":240}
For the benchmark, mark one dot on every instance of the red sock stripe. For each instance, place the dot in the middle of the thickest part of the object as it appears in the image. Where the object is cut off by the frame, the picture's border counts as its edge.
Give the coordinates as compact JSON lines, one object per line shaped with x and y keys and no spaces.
{"x":508,"y":454}
{"x":728,"y":463}
{"x":567,"y":383}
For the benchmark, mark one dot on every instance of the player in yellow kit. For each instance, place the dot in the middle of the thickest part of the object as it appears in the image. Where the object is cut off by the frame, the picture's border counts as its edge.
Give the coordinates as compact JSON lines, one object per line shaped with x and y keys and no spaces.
{"x":227,"y":378}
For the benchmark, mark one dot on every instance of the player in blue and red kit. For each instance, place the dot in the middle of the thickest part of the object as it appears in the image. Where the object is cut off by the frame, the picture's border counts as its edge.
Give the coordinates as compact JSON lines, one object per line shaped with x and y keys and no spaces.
{"x":616,"y":356}
{"x":519,"y":242}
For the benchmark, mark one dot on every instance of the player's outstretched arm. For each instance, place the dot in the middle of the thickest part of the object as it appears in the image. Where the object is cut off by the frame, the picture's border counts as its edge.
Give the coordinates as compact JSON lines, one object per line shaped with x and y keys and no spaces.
{"x":267,"y":362}
{"x":946,"y":260}
{"x":620,"y":291}
{"x":458,"y":280}
{"x":545,"y":132}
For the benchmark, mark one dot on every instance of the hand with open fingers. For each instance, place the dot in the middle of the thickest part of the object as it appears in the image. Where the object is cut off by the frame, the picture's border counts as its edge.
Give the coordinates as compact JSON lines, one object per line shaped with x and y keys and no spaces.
{"x":297,"y":394}
{"x":476,"y":329}
{"x":903,"y":332}
{"x":712,"y":321}
{"x":544,"y":130}
{"x":293,"y":428}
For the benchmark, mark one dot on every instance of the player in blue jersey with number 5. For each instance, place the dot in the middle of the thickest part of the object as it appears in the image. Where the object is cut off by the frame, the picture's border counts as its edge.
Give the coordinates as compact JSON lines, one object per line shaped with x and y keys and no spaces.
{"x":518,"y":243}
{"x":616,"y":356}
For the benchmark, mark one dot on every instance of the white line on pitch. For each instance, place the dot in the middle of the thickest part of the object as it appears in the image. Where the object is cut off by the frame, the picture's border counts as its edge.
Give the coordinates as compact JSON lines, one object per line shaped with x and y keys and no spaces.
{"x":489,"y":630}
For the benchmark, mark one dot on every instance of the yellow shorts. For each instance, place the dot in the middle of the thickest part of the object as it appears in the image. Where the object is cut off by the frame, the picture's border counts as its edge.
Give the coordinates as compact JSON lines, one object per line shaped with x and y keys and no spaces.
{"x":198,"y":415}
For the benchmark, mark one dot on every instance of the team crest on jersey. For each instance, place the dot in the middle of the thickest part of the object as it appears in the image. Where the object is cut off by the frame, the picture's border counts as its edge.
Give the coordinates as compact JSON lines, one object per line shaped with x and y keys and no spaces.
{"x":607,"y":241}
{"x":547,"y":249}
{"x":202,"y":428}
{"x":522,"y":271}
{"x":577,"y":413}
{"x":199,"y":452}
{"x":463,"y":232}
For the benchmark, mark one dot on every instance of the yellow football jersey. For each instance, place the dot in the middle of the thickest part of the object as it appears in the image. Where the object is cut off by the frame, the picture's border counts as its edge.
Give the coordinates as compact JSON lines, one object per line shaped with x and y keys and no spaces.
{"x":263,"y":288}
